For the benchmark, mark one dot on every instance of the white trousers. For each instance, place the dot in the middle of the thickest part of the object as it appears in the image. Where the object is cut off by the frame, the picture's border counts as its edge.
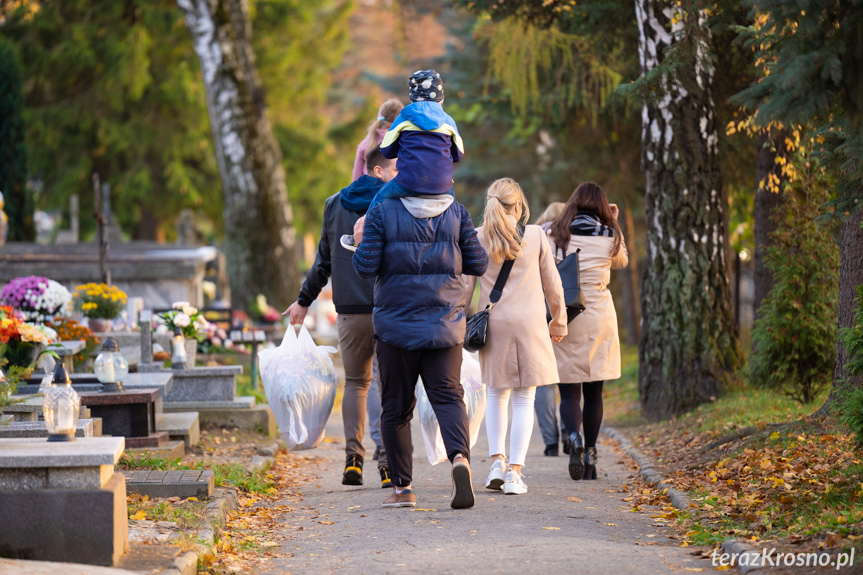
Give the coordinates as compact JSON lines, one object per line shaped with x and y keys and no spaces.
{"x":496,"y":419}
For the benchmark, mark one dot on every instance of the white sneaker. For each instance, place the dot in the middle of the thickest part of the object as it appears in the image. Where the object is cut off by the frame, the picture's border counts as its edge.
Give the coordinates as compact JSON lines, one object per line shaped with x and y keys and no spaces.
{"x":495,"y":476}
{"x":347,"y":242}
{"x":513,"y":484}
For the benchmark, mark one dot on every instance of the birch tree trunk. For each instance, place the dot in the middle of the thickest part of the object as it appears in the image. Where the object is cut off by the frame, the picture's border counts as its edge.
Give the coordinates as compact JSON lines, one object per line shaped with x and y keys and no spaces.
{"x":259,"y":235}
{"x":689,"y":342}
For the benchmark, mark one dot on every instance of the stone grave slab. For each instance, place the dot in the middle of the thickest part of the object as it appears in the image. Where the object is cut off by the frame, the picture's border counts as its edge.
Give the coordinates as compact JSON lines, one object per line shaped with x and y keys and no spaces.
{"x":238,"y":403}
{"x":181,"y":425}
{"x":169,"y":450}
{"x":88,"y":382}
{"x":204,"y":384}
{"x":177,"y":483}
{"x":24,"y":429}
{"x":47,"y":488}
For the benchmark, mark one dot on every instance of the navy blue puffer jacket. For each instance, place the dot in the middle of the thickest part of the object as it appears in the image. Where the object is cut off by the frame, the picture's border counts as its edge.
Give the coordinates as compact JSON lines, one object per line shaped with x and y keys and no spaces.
{"x":418,"y":256}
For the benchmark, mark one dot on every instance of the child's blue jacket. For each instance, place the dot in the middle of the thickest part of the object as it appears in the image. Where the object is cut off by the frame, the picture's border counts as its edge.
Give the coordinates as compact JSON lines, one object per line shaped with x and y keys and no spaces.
{"x":426,"y":142}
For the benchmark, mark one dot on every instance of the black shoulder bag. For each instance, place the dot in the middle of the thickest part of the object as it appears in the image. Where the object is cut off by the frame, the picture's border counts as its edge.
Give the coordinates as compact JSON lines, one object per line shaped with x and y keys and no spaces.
{"x":572,"y":296}
{"x":477,"y":324}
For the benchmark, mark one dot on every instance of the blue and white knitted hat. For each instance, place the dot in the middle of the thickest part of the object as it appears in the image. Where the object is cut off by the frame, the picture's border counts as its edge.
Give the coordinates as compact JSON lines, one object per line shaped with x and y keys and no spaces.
{"x":426,"y":86}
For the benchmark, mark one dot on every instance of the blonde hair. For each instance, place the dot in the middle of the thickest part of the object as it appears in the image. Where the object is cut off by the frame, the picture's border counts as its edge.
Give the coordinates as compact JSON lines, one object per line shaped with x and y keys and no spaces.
{"x":550,"y":214}
{"x":387,"y":114}
{"x":502,"y":235}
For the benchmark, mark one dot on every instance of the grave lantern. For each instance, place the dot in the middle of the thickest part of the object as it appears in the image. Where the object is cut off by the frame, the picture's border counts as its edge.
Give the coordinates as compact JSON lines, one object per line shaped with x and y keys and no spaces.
{"x":61,"y":406}
{"x":178,"y":349}
{"x":111,"y":367}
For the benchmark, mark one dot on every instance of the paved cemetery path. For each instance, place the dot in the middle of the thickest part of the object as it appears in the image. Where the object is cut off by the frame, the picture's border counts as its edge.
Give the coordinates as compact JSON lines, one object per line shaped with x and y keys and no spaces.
{"x":540,"y":532}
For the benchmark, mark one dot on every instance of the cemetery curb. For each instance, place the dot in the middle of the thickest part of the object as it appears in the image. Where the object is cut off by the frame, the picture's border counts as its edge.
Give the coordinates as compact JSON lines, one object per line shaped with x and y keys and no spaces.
{"x":224,"y":501}
{"x":681,"y":500}
{"x":185,"y":564}
{"x":648,"y":470}
{"x":754,"y":561}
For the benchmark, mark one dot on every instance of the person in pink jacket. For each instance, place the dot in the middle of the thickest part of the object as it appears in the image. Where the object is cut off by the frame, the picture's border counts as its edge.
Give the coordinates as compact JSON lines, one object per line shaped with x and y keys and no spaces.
{"x":387,"y":113}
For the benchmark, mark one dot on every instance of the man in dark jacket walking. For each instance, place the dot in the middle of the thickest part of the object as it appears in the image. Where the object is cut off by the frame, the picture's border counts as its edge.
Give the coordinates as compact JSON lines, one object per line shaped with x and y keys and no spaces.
{"x":418,"y":247}
{"x":353,"y":298}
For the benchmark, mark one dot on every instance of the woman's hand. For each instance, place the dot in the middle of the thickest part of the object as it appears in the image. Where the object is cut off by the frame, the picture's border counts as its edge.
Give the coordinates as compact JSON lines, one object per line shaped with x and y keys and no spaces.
{"x":358,"y":230}
{"x":557,"y":338}
{"x":614,"y":210}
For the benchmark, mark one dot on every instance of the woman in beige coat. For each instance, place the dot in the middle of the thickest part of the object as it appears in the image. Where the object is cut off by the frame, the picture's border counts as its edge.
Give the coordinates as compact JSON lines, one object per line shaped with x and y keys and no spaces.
{"x":518,"y":354}
{"x":590,"y":354}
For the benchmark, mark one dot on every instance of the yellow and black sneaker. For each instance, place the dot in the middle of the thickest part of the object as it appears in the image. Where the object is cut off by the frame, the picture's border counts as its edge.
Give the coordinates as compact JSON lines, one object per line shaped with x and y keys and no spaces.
{"x":386,"y":480}
{"x":353,"y":471}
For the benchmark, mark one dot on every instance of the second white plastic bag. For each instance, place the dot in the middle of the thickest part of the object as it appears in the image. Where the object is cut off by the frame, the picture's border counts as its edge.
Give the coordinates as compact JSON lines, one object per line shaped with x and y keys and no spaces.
{"x":474,"y":400}
{"x":300,"y":383}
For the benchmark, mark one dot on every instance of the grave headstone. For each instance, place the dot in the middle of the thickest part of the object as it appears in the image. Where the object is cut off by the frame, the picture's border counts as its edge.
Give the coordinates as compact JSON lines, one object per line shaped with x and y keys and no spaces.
{"x":63,"y":501}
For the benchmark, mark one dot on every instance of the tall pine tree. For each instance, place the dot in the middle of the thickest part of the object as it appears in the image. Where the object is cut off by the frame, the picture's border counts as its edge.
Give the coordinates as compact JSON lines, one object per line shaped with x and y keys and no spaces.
{"x":815,"y":48}
{"x":13,"y":151}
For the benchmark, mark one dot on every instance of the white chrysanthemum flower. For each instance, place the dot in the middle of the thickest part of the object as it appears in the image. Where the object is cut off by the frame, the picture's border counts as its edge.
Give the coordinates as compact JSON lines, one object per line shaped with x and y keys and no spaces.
{"x":182,"y":320}
{"x":180,"y":304}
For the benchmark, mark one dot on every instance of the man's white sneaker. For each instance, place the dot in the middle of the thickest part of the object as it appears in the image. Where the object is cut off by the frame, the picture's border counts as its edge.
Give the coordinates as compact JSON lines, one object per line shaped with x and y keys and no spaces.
{"x":513,"y":484}
{"x":347,"y":242}
{"x":495,"y":476}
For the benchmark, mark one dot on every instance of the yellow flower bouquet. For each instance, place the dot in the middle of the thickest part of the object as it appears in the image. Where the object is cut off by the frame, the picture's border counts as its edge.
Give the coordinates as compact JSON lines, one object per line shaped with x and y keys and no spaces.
{"x":100,"y":301}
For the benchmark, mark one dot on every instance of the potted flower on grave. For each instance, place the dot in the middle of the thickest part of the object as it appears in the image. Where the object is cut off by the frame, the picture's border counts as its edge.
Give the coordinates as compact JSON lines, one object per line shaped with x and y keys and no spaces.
{"x":22,"y":344}
{"x":191,"y":323}
{"x":36,"y":298}
{"x":99,"y":303}
{"x":69,"y":329}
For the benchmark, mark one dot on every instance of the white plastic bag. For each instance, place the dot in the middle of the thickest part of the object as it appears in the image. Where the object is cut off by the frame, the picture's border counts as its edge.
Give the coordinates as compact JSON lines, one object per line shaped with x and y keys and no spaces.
{"x":435,"y":450}
{"x":474,"y":394}
{"x":300,"y":382}
{"x":474,"y":400}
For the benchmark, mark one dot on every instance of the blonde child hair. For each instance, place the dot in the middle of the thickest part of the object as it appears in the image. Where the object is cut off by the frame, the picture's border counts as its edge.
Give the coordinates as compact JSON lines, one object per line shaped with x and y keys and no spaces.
{"x":502,"y":234}
{"x":550,"y":214}
{"x":387,"y":114}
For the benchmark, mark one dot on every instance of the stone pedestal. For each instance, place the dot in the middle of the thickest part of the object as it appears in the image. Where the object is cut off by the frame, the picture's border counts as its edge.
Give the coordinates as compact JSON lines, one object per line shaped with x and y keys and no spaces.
{"x":25,"y":429}
{"x":131,"y":414}
{"x":87,"y":382}
{"x":63,"y":501}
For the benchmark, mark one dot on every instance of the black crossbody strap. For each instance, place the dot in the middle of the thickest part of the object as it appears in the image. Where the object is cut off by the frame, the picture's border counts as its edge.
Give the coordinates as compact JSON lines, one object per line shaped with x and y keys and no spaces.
{"x":497,"y":290}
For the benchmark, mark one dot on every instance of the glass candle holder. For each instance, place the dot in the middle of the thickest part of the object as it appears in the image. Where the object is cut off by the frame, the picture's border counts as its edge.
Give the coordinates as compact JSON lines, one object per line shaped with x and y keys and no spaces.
{"x":111,"y":367}
{"x":61,"y":406}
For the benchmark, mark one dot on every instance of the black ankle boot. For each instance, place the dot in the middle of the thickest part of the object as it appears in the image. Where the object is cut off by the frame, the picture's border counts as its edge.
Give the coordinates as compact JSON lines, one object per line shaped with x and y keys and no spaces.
{"x":551,"y":450}
{"x":590,"y":463}
{"x":576,"y":456}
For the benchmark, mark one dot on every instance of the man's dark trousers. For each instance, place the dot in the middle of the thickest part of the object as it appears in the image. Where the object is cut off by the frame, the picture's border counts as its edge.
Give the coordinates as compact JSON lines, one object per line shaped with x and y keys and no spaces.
{"x":440,"y":370}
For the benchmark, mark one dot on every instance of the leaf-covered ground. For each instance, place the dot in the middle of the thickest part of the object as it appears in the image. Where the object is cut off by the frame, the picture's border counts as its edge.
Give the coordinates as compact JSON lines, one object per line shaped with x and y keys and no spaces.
{"x":756,"y":467}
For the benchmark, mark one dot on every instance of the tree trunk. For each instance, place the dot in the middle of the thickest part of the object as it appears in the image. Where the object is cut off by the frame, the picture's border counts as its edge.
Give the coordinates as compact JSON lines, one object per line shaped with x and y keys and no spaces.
{"x":850,"y":276}
{"x":689,"y":342}
{"x":771,"y":144}
{"x":258,"y":222}
{"x":629,"y":281}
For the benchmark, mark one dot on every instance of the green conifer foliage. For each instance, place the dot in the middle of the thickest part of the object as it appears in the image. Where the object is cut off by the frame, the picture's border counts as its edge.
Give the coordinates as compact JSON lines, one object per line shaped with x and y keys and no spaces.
{"x":13,"y":153}
{"x":794,"y":340}
{"x":115,"y":89}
